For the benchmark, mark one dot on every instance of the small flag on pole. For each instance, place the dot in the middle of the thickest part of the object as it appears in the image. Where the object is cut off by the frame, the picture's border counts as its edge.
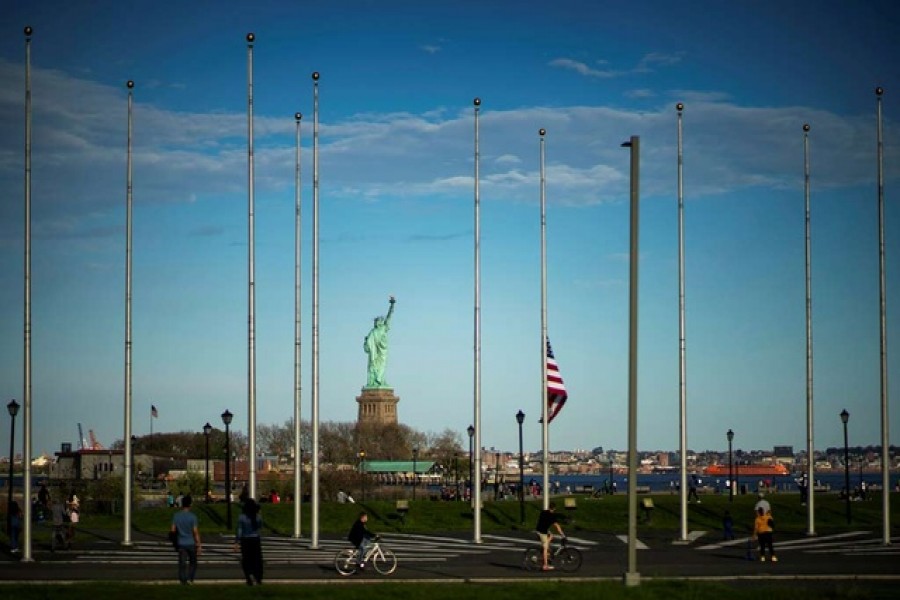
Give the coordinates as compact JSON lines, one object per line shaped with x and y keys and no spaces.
{"x":556,"y":389}
{"x":153,"y":412}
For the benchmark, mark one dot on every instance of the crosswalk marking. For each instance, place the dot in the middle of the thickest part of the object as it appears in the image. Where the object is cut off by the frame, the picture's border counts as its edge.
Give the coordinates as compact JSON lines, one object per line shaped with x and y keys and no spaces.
{"x":409,"y":548}
{"x":639,"y":545}
{"x":855,"y":543}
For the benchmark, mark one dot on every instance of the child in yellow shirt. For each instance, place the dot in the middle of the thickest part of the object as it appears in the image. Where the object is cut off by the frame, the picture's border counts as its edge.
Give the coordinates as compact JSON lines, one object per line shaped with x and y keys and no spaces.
{"x":762,"y":531}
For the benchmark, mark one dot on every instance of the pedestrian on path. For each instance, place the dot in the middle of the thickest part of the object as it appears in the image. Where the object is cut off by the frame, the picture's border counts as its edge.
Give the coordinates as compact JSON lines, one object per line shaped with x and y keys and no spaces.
{"x":186,"y":527}
{"x":73,"y":512}
{"x":247,"y":539}
{"x":60,"y":525}
{"x":15,"y":526}
{"x":763,"y":532}
{"x":727,"y":526}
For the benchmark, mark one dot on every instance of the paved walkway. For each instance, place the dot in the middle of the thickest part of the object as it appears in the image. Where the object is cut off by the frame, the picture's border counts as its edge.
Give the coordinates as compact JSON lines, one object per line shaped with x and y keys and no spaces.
{"x":99,"y":555}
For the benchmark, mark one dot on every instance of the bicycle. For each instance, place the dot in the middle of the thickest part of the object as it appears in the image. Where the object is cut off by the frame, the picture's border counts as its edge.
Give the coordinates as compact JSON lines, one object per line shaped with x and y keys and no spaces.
{"x":563,"y":556}
{"x":382,"y":559}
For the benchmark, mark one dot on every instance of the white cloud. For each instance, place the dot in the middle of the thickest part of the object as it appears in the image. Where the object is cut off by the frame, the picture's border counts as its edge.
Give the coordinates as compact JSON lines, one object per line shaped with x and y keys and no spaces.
{"x":508,"y":159}
{"x":581,"y":68}
{"x":79,"y":152}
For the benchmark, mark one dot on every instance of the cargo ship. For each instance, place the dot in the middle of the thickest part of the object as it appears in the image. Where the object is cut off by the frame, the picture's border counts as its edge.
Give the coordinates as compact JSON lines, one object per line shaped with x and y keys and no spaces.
{"x":758,"y":470}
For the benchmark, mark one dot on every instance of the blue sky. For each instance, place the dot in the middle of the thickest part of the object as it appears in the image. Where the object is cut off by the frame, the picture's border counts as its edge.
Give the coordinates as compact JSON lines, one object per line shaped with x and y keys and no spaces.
{"x":396,"y":213}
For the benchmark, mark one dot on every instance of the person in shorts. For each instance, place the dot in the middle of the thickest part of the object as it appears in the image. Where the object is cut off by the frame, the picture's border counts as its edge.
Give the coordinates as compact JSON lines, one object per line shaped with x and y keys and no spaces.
{"x":546,"y":520}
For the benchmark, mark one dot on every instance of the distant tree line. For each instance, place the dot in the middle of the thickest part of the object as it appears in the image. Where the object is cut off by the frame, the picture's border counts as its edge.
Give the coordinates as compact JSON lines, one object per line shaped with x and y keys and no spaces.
{"x":339,"y":442}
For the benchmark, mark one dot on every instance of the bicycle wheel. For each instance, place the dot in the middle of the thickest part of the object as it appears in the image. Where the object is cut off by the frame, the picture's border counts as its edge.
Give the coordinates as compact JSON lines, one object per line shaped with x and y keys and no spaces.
{"x":384,"y":561}
{"x":568,"y":559}
{"x":345,"y":562}
{"x":533,"y":560}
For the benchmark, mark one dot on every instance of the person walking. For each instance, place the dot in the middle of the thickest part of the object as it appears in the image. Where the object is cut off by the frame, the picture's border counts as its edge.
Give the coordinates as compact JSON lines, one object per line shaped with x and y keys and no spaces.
{"x":73,"y":511}
{"x":15,"y":526}
{"x":727,"y":526}
{"x":692,"y":489}
{"x":763,"y":532}
{"x":60,"y":525}
{"x":186,"y":528}
{"x":247,"y":538}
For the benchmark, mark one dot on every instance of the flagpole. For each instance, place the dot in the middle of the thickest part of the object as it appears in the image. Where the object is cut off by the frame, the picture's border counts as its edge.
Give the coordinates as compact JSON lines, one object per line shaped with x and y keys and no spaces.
{"x":476,"y":479}
{"x":314,"y":539}
{"x":298,"y":453}
{"x":632,"y":577}
{"x":129,"y":454}
{"x":545,"y":420}
{"x":810,"y":445}
{"x":26,"y":463}
{"x":682,"y":347}
{"x":251,"y":304}
{"x":885,"y":454}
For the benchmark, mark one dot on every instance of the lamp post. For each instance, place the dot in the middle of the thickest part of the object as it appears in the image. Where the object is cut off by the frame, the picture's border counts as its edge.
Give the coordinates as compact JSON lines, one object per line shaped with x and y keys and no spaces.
{"x":497,"y":476}
{"x":861,"y":458}
{"x":415,"y":479}
{"x":471,"y":431}
{"x":207,"y":429}
{"x":133,"y":470}
{"x":520,"y":418}
{"x":611,"y":488}
{"x":845,"y":416}
{"x":13,"y":408}
{"x":362,"y":473}
{"x":456,"y":473}
{"x":730,"y":436}
{"x":226,"y":418}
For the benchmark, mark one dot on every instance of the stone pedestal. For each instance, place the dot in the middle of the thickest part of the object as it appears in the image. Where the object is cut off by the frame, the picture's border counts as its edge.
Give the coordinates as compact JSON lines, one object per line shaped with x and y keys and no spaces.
{"x":378,"y":405}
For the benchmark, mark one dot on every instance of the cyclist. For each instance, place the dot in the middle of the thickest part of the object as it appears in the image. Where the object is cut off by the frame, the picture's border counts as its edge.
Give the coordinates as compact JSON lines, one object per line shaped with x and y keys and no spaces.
{"x":547,"y":519}
{"x":359,"y":536}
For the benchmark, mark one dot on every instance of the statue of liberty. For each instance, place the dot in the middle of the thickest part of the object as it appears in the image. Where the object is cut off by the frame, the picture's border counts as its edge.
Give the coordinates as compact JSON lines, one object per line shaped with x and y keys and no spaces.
{"x":376,"y":346}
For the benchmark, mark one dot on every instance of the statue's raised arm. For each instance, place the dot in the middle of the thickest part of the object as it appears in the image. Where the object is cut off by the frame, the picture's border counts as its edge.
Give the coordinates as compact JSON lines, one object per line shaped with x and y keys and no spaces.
{"x":387,"y":318}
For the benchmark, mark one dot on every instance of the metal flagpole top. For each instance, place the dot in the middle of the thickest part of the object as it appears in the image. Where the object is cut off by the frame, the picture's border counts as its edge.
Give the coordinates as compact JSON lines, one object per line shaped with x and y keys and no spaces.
{"x":679,"y":107}
{"x":298,"y":116}
{"x":879,"y":91}
{"x":315,"y":75}
{"x":477,"y":102}
{"x":29,"y":31}
{"x":130,"y":84}
{"x":806,"y":127}
{"x":251,"y":38}
{"x":542,"y":132}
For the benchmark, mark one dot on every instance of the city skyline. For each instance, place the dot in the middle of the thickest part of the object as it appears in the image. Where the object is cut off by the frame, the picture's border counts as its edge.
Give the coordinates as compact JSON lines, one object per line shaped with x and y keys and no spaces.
{"x":396,"y":166}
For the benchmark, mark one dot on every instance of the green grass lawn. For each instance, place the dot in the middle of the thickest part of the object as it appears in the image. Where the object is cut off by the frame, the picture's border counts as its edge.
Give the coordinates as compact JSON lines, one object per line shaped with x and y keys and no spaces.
{"x":607,"y":514}
{"x":607,"y":590}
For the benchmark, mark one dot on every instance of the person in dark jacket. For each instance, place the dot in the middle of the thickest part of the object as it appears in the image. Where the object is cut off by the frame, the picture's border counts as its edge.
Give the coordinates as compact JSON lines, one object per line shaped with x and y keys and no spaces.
{"x":360,"y":536}
{"x":248,"y":538}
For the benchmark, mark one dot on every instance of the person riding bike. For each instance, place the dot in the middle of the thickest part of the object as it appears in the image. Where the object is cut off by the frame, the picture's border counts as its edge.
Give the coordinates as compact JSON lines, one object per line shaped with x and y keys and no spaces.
{"x":360,"y":536}
{"x":547,"y":519}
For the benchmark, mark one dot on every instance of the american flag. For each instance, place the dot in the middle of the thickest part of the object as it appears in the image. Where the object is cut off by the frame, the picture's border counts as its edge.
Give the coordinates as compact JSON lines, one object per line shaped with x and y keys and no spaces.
{"x":556,"y":389}
{"x":153,"y":412}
